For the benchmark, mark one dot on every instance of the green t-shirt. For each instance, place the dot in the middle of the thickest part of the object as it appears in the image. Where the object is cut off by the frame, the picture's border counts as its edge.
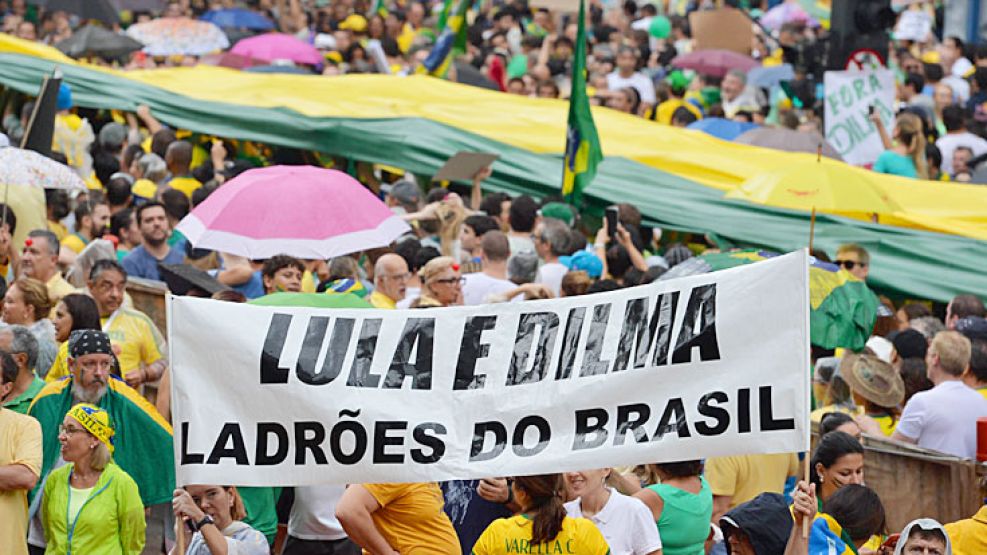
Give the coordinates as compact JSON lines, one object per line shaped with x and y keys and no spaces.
{"x":684,"y":521}
{"x":891,"y":162}
{"x":23,"y":401}
{"x":261,"y":505}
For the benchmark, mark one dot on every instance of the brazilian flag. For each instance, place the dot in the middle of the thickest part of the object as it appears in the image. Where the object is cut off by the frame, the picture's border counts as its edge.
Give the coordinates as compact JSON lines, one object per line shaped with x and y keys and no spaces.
{"x":842,"y":309}
{"x":582,"y":143}
{"x":451,"y":41}
{"x":143,"y":443}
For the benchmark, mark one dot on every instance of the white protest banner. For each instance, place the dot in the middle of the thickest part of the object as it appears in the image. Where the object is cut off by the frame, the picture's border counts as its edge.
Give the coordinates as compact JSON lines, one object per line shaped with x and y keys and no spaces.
{"x":684,"y":369}
{"x":913,"y":25}
{"x":849,"y":95}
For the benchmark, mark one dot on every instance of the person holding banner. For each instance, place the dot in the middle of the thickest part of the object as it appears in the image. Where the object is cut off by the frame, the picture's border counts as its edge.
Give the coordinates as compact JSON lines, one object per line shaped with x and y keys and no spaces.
{"x":215,"y":513}
{"x":91,"y":505}
{"x":625,"y":523}
{"x":543,"y":526}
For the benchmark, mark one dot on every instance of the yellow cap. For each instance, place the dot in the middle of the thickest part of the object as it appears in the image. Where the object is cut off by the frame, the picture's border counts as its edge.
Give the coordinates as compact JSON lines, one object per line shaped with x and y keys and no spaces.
{"x":354,"y":22}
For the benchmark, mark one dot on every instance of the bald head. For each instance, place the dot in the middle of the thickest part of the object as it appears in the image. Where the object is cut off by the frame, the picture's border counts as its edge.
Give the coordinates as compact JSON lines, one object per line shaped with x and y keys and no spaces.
{"x":391,"y":276}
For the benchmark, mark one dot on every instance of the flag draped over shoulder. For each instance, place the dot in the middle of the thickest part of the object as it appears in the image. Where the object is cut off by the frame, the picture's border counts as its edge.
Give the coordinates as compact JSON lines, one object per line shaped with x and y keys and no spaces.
{"x":143,"y":442}
{"x":582,"y":143}
{"x":451,"y":41}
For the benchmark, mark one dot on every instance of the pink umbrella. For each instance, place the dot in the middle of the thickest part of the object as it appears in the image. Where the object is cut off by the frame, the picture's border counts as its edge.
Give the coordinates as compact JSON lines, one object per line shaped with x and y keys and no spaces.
{"x":303,"y":211}
{"x":277,"y":46}
{"x":715,"y":63}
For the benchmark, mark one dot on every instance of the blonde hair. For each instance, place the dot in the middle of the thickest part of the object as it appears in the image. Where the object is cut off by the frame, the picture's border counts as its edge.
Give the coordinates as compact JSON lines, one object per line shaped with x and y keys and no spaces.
{"x":35,"y":293}
{"x":953,"y":350}
{"x":101,"y":456}
{"x":910,"y":134}
{"x":436,"y":266}
{"x":238,"y":511}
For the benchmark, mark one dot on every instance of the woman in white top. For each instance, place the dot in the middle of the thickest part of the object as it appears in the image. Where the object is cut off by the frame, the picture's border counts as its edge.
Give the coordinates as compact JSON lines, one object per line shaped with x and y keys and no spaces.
{"x":214,"y":512}
{"x":626,"y":522}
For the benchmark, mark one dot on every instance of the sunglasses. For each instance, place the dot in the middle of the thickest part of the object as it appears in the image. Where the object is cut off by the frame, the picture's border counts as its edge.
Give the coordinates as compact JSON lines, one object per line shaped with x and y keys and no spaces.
{"x":848,"y":264}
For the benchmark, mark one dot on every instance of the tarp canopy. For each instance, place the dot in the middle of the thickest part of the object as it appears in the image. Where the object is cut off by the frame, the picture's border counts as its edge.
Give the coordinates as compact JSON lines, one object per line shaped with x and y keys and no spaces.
{"x":417,"y":123}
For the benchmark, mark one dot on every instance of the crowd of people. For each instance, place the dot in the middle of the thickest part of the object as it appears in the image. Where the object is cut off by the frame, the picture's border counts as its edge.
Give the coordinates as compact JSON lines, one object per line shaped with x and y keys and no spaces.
{"x":86,"y":444}
{"x":86,"y":452}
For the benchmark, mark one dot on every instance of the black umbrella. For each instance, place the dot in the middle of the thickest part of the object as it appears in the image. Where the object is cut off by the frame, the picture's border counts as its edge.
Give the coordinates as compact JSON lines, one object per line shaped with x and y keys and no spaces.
{"x":140,"y":5}
{"x":102,"y":10}
{"x":93,"y":40}
{"x":468,"y":74}
{"x":183,"y":279}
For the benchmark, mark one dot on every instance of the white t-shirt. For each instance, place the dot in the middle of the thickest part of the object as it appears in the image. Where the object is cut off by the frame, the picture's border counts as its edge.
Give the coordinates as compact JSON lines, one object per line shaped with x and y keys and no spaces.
{"x":949,"y":142}
{"x":550,"y":275}
{"x":410,"y":294}
{"x":944,"y":418}
{"x":313,"y":514}
{"x":479,"y":286}
{"x":520,"y":244}
{"x":625,"y":522}
{"x":644,"y":85}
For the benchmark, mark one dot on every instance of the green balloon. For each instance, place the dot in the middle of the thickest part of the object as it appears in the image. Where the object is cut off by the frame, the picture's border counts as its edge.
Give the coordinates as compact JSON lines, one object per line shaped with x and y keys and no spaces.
{"x":660,"y":27}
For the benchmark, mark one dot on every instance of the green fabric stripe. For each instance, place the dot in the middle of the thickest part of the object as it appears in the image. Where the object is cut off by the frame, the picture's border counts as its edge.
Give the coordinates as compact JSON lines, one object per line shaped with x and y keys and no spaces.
{"x":904,"y":261}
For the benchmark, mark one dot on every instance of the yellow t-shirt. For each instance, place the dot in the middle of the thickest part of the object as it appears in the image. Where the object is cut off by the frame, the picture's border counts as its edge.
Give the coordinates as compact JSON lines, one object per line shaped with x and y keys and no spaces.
{"x":139,"y":340}
{"x":744,"y":477}
{"x":887,"y":423}
{"x":380,"y":300}
{"x":308,"y":282}
{"x":58,"y":288}
{"x":187,"y":185}
{"x":667,"y":108}
{"x":513,"y":535}
{"x":60,"y":368}
{"x":74,"y":242}
{"x":20,"y":443}
{"x":58,"y":229}
{"x":983,"y":391}
{"x":411,"y":519}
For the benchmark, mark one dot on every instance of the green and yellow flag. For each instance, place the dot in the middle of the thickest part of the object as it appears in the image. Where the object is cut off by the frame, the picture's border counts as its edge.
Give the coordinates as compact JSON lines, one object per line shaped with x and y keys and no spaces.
{"x":582,"y":144}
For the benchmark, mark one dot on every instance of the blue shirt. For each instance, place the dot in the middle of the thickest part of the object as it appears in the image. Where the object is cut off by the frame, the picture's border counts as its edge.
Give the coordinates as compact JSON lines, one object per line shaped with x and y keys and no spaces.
{"x":891,"y":162}
{"x":142,"y":264}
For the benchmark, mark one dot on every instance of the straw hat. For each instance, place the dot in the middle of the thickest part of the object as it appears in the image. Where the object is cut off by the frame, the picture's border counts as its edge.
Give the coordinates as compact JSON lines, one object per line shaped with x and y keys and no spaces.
{"x":873,"y":379}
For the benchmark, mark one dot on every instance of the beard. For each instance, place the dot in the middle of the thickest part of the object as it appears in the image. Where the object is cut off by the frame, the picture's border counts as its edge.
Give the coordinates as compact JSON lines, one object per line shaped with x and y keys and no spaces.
{"x":92,"y":394}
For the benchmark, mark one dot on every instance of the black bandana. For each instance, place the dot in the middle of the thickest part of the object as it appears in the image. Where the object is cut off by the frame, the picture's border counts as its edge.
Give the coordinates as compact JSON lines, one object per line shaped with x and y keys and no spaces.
{"x":89,"y":342}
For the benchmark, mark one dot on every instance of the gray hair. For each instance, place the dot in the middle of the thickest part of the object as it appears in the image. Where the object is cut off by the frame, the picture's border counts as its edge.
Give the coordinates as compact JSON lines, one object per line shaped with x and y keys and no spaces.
{"x":23,"y":341}
{"x":51,"y":238}
{"x":928,"y":326}
{"x":740,"y":74}
{"x":522,"y":268}
{"x":152,"y":167}
{"x":556,"y":234}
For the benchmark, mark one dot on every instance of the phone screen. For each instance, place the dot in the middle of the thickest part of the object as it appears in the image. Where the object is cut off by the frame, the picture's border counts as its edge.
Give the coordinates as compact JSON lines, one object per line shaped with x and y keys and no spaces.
{"x":612,"y":221}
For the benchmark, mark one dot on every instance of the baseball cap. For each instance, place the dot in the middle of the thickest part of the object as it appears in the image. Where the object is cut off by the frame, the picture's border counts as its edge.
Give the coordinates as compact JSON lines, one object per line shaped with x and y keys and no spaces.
{"x":112,"y":135}
{"x":585,"y":261}
{"x":973,"y":327}
{"x":354,"y":22}
{"x":559,"y":211}
{"x":405,"y":191}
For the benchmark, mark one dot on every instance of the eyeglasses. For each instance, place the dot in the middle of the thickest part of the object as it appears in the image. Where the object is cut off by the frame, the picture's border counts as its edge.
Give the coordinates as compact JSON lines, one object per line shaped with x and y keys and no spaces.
{"x":400,"y":277}
{"x":848,"y":264}
{"x":67,"y":430}
{"x":450,"y":281}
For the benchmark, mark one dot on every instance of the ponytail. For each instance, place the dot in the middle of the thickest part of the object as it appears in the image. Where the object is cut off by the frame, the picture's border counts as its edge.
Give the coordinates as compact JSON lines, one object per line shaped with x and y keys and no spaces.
{"x":910,"y":131}
{"x":545,"y":500}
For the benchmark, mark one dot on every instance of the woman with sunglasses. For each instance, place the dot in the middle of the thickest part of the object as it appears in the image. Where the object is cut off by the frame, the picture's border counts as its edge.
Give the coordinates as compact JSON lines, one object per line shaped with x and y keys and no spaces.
{"x":91,"y":505}
{"x":442,"y":284}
